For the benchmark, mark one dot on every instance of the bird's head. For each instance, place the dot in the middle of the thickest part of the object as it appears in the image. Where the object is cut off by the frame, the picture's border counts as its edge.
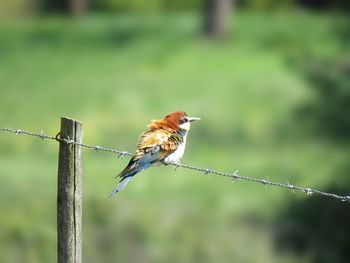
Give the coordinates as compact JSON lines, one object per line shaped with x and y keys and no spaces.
{"x":181,"y":120}
{"x":175,"y":121}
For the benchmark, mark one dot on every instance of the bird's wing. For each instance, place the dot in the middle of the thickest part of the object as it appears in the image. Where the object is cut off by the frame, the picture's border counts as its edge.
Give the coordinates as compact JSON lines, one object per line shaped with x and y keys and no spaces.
{"x":155,"y":145}
{"x":152,"y":147}
{"x":152,"y":138}
{"x":148,"y":151}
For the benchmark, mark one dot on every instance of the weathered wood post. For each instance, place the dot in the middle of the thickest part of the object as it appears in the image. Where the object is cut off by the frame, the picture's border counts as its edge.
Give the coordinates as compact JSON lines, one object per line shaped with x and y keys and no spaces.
{"x":69,"y":200}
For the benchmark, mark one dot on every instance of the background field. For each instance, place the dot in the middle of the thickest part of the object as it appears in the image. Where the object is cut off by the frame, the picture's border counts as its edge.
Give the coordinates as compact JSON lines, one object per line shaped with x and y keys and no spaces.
{"x":117,"y":72}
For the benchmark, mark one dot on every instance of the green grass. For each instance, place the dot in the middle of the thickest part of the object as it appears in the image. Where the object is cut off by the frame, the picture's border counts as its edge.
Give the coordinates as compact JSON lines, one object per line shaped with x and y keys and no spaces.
{"x":115,"y":74}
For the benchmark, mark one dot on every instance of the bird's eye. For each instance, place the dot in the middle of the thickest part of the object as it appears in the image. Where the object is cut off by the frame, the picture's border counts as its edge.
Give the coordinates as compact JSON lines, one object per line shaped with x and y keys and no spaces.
{"x":183,"y":120}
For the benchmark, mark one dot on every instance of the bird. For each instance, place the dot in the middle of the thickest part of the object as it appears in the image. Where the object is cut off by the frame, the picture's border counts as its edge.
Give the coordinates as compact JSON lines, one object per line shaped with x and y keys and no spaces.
{"x":163,"y":143}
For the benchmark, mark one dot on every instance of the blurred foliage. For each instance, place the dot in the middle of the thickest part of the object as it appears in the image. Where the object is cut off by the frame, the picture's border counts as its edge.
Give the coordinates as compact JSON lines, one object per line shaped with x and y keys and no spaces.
{"x":123,"y":5}
{"x":316,"y":229}
{"x":115,"y":73}
{"x":140,"y":5}
{"x":340,"y":5}
{"x":62,"y":6}
{"x":266,"y":4}
{"x":329,"y":111}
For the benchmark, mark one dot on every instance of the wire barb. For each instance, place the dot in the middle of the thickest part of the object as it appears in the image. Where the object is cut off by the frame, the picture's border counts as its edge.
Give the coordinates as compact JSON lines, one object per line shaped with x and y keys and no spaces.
{"x":309,"y":192}
{"x":346,"y":198}
{"x":291,"y":187}
{"x":42,"y":135}
{"x":265,"y":182}
{"x":97,"y":149}
{"x":234,"y":176}
{"x":122,"y":155}
{"x":206,"y":171}
{"x":176,"y":165}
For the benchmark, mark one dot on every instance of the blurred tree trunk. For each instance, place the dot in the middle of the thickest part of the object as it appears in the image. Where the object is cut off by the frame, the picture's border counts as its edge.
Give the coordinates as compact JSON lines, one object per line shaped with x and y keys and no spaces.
{"x":216,"y":13}
{"x":77,"y":7}
{"x":70,"y":7}
{"x":31,"y":7}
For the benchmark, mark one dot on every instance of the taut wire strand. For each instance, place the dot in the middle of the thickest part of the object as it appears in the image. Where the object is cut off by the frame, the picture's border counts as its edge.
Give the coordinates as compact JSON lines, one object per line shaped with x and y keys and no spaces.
{"x":233,"y":176}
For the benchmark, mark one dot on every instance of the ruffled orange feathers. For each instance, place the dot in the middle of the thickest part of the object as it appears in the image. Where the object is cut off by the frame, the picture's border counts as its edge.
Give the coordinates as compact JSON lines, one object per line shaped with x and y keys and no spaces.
{"x":169,"y":122}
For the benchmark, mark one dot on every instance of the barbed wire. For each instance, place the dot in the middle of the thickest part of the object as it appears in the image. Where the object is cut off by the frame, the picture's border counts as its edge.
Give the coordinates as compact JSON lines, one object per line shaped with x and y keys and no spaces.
{"x":234,"y":176}
{"x":43,"y":136}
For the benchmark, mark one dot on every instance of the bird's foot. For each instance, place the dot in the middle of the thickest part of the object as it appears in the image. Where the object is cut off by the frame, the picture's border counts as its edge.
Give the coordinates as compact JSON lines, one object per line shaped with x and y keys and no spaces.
{"x":176,"y":164}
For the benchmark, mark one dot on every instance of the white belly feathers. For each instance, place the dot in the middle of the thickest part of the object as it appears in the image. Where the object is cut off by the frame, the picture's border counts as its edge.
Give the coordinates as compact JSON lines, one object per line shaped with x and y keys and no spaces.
{"x":176,"y":156}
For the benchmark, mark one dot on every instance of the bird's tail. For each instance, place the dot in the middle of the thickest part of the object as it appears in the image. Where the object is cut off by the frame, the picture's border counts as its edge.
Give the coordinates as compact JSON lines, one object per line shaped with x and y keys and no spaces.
{"x":125,"y":176}
{"x":122,"y":183}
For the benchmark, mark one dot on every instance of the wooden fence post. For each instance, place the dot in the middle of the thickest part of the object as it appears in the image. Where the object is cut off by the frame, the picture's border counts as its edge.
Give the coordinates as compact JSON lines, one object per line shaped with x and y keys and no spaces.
{"x":69,"y":200}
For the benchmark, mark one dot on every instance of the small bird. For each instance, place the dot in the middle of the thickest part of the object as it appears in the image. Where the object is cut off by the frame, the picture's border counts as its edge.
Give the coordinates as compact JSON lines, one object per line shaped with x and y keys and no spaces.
{"x":163,"y":143}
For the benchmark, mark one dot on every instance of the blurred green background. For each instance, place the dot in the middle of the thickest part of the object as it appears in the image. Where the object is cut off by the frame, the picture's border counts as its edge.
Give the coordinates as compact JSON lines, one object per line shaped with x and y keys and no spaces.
{"x":272,"y":86}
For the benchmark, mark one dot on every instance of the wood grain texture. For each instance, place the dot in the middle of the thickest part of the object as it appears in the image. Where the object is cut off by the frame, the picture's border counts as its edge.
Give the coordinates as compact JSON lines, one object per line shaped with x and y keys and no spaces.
{"x":69,"y":194}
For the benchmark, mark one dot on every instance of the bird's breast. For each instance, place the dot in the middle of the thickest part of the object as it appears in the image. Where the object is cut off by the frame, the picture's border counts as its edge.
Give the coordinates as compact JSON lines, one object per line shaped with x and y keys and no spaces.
{"x":176,"y":156}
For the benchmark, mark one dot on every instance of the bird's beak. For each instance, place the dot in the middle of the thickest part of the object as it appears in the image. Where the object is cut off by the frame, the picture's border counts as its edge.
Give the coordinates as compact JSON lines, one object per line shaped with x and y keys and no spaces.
{"x":193,"y":119}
